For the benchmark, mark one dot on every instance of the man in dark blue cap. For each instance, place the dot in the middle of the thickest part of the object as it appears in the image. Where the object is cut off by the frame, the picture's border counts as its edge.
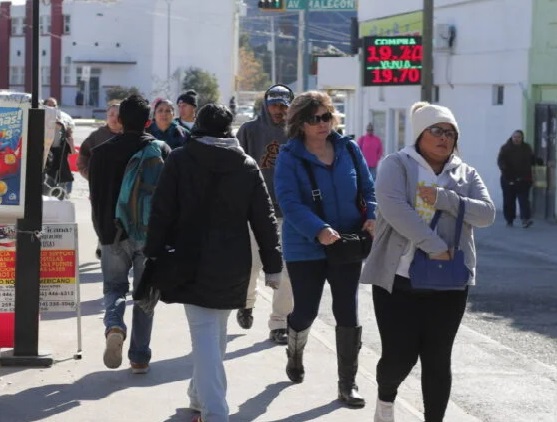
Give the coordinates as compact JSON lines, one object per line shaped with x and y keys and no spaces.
{"x":261,"y":138}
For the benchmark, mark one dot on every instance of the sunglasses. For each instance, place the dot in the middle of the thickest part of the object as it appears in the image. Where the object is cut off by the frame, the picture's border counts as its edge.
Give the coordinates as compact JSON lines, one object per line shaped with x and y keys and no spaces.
{"x":437,"y":132}
{"x":316,"y":119}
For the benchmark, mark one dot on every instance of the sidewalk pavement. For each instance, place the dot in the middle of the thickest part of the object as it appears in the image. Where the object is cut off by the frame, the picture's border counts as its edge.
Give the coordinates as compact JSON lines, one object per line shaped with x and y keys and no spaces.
{"x":258,"y":389}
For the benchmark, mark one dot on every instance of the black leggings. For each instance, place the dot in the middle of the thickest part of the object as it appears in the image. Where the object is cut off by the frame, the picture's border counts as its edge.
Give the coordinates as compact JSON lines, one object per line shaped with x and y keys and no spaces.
{"x":416,"y":324}
{"x":308,"y":279}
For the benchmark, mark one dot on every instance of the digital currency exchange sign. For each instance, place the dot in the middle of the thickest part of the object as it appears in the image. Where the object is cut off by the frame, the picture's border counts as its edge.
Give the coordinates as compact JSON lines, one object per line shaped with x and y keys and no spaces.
{"x":392,"y":61}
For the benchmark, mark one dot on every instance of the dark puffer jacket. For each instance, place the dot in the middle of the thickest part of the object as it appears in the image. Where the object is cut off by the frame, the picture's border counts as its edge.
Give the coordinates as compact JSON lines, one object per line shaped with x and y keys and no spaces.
{"x":207,"y":194}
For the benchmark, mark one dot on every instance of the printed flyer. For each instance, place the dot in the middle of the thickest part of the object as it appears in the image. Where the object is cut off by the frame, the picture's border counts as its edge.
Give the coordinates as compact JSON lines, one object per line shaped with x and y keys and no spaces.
{"x":59,"y":270}
{"x":14,"y":112}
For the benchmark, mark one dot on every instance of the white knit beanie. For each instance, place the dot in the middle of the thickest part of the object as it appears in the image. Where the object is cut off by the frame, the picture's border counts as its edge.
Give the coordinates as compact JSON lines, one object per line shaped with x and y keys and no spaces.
{"x":425,"y":115}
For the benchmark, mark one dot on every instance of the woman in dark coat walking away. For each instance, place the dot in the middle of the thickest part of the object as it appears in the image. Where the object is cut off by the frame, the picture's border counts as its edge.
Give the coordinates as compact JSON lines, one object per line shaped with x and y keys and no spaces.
{"x":208,"y":193}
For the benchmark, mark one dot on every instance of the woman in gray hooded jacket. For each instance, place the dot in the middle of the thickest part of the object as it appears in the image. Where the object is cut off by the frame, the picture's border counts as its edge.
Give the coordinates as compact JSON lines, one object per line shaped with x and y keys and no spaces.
{"x":417,"y":323}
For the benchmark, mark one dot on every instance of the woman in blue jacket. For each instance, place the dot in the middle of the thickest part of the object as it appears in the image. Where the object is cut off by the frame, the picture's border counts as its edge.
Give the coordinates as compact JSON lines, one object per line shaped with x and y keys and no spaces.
{"x":310,"y":123}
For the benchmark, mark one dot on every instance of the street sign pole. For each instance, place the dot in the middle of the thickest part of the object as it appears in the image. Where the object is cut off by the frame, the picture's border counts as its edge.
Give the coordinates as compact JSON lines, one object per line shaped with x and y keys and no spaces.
{"x":427,"y":61}
{"x":28,"y":246}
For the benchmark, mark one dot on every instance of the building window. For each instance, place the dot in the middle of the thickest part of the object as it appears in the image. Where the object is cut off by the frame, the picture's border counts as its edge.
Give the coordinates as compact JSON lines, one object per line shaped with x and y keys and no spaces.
{"x":16,"y":75}
{"x":67,"y":24}
{"x":17,"y":27}
{"x":45,"y":75}
{"x":44,"y":25}
{"x":498,"y":94}
{"x":67,"y":72}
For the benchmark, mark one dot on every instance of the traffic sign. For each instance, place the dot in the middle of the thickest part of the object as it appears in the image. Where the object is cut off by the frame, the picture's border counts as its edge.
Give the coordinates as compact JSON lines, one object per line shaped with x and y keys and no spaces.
{"x":322,"y":5}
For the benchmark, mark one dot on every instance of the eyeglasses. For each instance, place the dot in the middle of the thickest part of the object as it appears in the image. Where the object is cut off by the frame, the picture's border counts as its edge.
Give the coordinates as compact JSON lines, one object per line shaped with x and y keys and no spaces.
{"x":316,"y":119}
{"x":439,"y":131}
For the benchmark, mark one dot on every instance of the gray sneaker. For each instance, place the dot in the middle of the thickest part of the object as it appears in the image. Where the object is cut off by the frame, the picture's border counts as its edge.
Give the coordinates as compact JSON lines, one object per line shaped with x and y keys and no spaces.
{"x":113,"y":351}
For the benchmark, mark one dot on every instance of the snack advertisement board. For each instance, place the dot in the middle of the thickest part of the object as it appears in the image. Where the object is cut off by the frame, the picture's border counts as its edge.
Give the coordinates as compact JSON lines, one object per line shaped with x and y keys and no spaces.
{"x":14,"y":115}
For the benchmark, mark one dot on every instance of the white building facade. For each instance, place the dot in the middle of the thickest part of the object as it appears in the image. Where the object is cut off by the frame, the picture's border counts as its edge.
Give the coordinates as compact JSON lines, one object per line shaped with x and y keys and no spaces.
{"x":500,"y":65}
{"x":92,"y":45}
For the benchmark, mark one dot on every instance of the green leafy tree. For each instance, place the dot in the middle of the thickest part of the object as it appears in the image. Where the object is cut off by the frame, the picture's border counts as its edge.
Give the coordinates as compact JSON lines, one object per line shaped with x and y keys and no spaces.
{"x":118,"y":93}
{"x":204,"y":83}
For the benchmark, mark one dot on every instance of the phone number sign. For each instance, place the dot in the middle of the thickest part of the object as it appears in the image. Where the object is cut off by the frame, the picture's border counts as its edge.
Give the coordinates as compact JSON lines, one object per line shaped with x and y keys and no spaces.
{"x":58,"y":276}
{"x":392,"y":61}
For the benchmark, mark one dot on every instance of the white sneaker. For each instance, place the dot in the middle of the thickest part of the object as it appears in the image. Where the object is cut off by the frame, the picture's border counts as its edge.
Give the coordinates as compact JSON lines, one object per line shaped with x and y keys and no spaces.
{"x":384,"y":411}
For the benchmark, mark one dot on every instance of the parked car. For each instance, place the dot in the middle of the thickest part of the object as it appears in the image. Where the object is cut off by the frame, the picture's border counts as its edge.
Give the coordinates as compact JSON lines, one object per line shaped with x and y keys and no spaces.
{"x":244,"y":113}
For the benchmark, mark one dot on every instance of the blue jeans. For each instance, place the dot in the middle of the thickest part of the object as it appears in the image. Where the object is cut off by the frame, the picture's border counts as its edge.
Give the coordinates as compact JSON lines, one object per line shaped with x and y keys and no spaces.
{"x":373,"y":171}
{"x":116,"y":261}
{"x":207,"y":389}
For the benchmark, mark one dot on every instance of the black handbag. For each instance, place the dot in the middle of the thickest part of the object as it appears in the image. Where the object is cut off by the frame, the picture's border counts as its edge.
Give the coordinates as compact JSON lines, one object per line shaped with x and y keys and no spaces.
{"x":436,"y":274}
{"x":351,"y":247}
{"x":164,"y":273}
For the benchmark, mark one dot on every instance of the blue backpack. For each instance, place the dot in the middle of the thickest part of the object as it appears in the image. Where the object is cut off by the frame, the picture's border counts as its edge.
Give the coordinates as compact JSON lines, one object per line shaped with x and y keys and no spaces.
{"x":142,"y":173}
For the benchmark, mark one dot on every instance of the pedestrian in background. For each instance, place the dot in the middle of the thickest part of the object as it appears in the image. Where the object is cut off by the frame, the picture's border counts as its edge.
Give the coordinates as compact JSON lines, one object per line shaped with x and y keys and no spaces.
{"x":58,"y":174}
{"x":164,"y":127}
{"x":372,"y":148}
{"x":112,"y":128}
{"x":120,"y":253}
{"x":208,"y":193}
{"x":232,"y":105}
{"x":515,"y":161}
{"x":261,"y":138}
{"x":312,"y":139}
{"x":64,"y":131}
{"x":417,"y":323}
{"x":187,"y":107}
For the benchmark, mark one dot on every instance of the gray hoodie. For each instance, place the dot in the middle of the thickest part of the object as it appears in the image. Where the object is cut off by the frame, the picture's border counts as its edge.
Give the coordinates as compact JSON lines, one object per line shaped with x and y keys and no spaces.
{"x":261,"y":139}
{"x":399,"y":227}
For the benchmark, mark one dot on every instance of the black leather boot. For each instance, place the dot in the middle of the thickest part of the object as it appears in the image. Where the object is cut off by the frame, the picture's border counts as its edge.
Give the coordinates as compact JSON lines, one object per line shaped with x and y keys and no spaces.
{"x":349,"y":343}
{"x":296,"y":343}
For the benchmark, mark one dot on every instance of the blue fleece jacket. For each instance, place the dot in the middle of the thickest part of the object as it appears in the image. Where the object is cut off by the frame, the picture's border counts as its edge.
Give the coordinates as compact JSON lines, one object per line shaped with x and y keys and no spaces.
{"x":338,"y":187}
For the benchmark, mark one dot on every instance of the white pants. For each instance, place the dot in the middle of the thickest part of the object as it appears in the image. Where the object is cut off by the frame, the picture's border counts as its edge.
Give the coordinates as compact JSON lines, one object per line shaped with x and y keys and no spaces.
{"x":283,"y":303}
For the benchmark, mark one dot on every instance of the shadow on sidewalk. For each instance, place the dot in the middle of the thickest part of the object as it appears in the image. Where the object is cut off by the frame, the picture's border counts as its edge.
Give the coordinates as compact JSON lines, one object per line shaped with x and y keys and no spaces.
{"x":257,"y":405}
{"x":90,"y":277}
{"x":313,"y":414}
{"x":254,"y":348}
{"x":39,"y":403}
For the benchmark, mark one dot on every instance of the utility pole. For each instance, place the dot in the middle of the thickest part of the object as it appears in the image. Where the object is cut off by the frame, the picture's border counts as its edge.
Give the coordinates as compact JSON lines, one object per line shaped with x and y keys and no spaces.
{"x":427,"y":42}
{"x":168,"y":44}
{"x":273,"y":52}
{"x":301,"y":51}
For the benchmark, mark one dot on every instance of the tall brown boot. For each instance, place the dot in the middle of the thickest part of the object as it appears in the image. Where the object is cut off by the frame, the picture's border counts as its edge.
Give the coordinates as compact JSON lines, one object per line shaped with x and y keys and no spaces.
{"x":349,"y":343}
{"x":296,"y":343}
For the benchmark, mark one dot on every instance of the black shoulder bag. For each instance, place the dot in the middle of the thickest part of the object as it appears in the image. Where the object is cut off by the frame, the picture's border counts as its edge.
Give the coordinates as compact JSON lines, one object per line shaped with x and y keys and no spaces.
{"x":351,"y":247}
